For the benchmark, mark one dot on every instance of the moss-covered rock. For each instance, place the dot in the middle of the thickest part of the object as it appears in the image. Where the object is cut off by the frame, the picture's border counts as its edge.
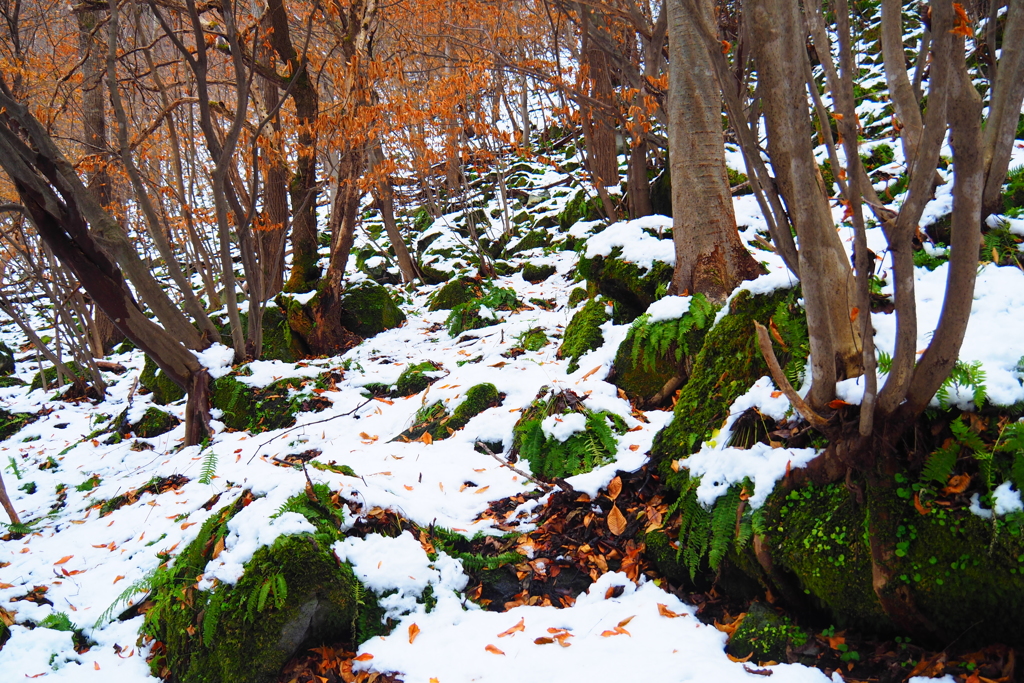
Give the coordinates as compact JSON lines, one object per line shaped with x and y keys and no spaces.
{"x":6,"y":359}
{"x":580,"y":208}
{"x":368,"y":309}
{"x":537,"y":273}
{"x":578,"y":295}
{"x":257,"y":409}
{"x":156,"y":380}
{"x":533,"y":339}
{"x":153,"y":422}
{"x":413,"y":379}
{"x":630,"y":287}
{"x":591,"y":445}
{"x":583,"y":332}
{"x":764,"y":635}
{"x":535,"y":239}
{"x":435,"y":420}
{"x":51,"y":376}
{"x":654,"y":354}
{"x":11,"y":423}
{"x":481,"y":312}
{"x":728,"y":365}
{"x":455,"y":292}
{"x":279,"y":341}
{"x":7,"y":382}
{"x":293,"y":593}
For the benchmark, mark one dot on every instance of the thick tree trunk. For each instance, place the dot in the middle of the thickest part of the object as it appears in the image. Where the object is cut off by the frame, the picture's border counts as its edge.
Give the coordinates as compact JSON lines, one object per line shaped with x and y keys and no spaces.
{"x":598,"y":126}
{"x":710,"y":258}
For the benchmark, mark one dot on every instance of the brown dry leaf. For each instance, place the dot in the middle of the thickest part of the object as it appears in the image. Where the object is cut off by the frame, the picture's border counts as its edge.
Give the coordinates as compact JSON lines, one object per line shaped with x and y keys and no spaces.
{"x":739,"y":659}
{"x":63,"y":559}
{"x":499,"y":364}
{"x":543,"y":641}
{"x":218,"y":548}
{"x":609,"y":634}
{"x":615,"y":488}
{"x":591,"y":372}
{"x":426,"y":438}
{"x":563,"y":639}
{"x":616,"y":521}
{"x":187,"y":525}
{"x":521,"y":626}
{"x":835,"y":641}
{"x":118,"y":578}
{"x":625,"y":622}
{"x":634,"y":447}
{"x":957,"y":484}
{"x":364,"y":435}
{"x":365,"y":657}
{"x":664,"y":611}
{"x":6,"y":585}
{"x":730,"y":628}
{"x":493,"y":650}
{"x":482,"y":489}
{"x":920,"y":508}
{"x":414,"y":631}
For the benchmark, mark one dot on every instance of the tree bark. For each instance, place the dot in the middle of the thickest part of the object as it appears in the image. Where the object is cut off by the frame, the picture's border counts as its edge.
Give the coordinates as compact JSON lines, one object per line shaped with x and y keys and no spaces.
{"x":901,"y":91}
{"x":1004,"y":111}
{"x":710,"y":258}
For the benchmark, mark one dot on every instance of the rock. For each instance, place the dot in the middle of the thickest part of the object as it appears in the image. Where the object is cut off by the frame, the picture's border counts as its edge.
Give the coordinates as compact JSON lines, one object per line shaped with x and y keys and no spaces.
{"x":436,"y":421}
{"x":534,"y":239}
{"x":279,"y":341}
{"x":164,"y":390}
{"x":368,"y":310}
{"x":580,"y":208}
{"x":578,"y":295}
{"x":262,"y":409}
{"x":630,"y":287}
{"x":51,"y":376}
{"x":583,"y":332}
{"x":154,"y":422}
{"x":455,"y":292}
{"x":537,"y":274}
{"x":413,"y":380}
{"x":764,"y":635}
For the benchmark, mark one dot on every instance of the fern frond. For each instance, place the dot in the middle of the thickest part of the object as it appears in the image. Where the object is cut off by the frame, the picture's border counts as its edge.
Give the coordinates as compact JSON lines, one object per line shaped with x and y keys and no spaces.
{"x":209,"y":467}
{"x":723,"y":526}
{"x":939,"y":465}
{"x":212,"y":616}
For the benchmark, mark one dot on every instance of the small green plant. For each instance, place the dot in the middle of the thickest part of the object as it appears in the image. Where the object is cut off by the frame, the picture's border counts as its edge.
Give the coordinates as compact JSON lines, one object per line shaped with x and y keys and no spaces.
{"x":12,"y":467}
{"x":89,"y":484}
{"x":963,"y":375}
{"x":58,"y":621}
{"x":467,"y":316}
{"x":209,"y":467}
{"x":684,"y":333}
{"x":925,"y":259}
{"x":884,"y":362}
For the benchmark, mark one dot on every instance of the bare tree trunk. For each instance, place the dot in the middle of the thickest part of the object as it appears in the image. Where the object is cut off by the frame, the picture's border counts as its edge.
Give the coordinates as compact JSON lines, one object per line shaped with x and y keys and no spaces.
{"x":604,"y":163}
{"x":710,"y":258}
{"x":901,"y":91}
{"x":385,"y":197}
{"x":825,"y":273}
{"x":1004,"y":111}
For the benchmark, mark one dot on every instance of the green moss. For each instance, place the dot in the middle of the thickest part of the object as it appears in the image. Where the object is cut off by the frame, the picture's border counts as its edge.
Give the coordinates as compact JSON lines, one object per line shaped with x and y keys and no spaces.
{"x":51,"y":376}
{"x":818,"y":534}
{"x":261,"y":409}
{"x":435,"y":420}
{"x":467,"y":316}
{"x":535,"y":239}
{"x":580,"y":208}
{"x":164,"y":390}
{"x":728,"y":364}
{"x":413,"y":381}
{"x":764,"y":635}
{"x":292,"y":593}
{"x":368,"y":309}
{"x":432,"y":275}
{"x":533,"y":339}
{"x":653,"y":353}
{"x":880,"y":155}
{"x":536,"y":274}
{"x":11,"y":423}
{"x":6,"y":359}
{"x":153,"y":423}
{"x":630,"y":287}
{"x":458,"y":291}
{"x":577,"y":295}
{"x":279,"y":341}
{"x":583,"y":332}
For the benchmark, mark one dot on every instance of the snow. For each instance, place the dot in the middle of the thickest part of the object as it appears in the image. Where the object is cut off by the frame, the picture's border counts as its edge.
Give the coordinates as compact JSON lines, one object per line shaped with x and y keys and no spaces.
{"x":668,"y":308}
{"x":637,"y":246}
{"x":561,"y":427}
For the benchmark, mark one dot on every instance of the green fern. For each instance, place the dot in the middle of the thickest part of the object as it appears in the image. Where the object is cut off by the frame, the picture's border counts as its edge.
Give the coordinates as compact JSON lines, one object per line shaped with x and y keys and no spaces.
{"x":939,"y":465}
{"x":723,"y":526}
{"x":212,"y":616}
{"x":209,"y":467}
{"x":963,"y":375}
{"x":685,"y":333}
{"x":884,"y":362}
{"x":322,"y":514}
{"x":58,"y":621}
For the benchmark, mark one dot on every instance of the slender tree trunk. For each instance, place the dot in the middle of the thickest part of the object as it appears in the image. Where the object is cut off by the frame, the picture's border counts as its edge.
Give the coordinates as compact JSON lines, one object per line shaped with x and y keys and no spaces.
{"x":598,"y":126}
{"x":1004,"y":112}
{"x":900,"y":89}
{"x":710,"y":258}
{"x":385,"y":197}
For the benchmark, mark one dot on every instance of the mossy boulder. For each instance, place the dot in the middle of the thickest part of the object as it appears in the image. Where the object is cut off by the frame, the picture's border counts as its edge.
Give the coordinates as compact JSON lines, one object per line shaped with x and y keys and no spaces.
{"x":764,"y":635}
{"x":7,"y":382}
{"x":583,"y":332}
{"x":6,"y":359}
{"x":560,"y":437}
{"x":260,"y":409}
{"x":481,"y":312}
{"x":630,"y":287}
{"x":368,"y":309}
{"x":292,"y":594}
{"x":153,"y":423}
{"x":534,"y":239}
{"x":279,"y":341}
{"x":455,"y":292}
{"x":413,"y":379}
{"x":51,"y":376}
{"x":537,"y":273}
{"x":728,"y":364}
{"x":533,"y":339}
{"x":11,"y":423}
{"x":580,"y":208}
{"x":436,"y":421}
{"x":955,"y":567}
{"x":578,"y":295}
{"x":156,"y":380}
{"x":655,"y":358}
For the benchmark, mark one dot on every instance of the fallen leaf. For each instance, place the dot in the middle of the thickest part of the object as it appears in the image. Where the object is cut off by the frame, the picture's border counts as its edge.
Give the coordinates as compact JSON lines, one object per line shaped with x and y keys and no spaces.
{"x":616,"y":521}
{"x":624,"y":622}
{"x":426,"y":438}
{"x":634,"y":447}
{"x":957,"y":484}
{"x":407,"y":487}
{"x":591,"y":372}
{"x":493,"y":650}
{"x":96,"y":665}
{"x":6,"y":585}
{"x":414,"y":631}
{"x":739,"y":659}
{"x":543,"y":641}
{"x":482,"y":489}
{"x":118,"y":578}
{"x":218,"y":548}
{"x":63,"y":559}
{"x":664,"y":611}
{"x":615,"y":488}
{"x":521,"y":626}
{"x":187,"y":525}
{"x":365,"y":657}
{"x":854,"y":312}
{"x":499,"y":364}
{"x":837,"y":404}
